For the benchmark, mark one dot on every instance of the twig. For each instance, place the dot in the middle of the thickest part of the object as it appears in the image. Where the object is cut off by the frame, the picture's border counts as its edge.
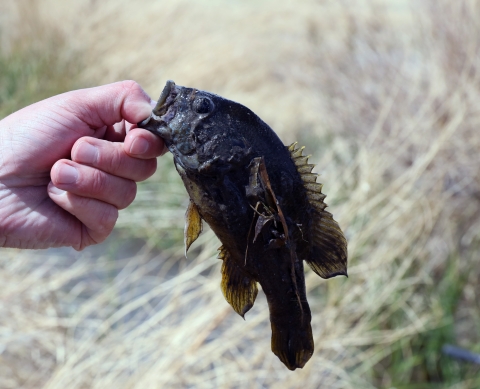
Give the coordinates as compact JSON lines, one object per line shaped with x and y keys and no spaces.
{"x":461,"y":353}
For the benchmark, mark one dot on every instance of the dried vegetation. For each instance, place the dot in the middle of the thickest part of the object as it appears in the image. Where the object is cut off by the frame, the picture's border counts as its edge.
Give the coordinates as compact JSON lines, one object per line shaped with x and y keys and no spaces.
{"x":386,"y":97}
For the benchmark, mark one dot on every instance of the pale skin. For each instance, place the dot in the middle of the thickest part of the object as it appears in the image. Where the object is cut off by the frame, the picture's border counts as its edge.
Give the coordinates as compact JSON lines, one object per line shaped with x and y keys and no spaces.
{"x":69,"y":163}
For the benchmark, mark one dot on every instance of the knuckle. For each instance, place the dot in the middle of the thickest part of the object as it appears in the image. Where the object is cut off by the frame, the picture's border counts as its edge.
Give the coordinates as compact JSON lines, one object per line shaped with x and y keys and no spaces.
{"x":149,"y":168}
{"x":107,"y":217}
{"x":114,"y":162}
{"x":131,"y":85}
{"x":130,"y":193}
{"x":98,"y":182}
{"x":134,"y":88}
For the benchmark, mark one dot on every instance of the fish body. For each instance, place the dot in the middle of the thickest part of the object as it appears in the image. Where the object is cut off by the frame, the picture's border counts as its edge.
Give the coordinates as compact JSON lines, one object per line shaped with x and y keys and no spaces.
{"x":263,"y":203}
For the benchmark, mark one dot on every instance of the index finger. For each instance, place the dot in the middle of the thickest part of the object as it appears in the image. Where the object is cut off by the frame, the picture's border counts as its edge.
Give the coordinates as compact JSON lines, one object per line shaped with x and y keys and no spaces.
{"x":143,"y":144}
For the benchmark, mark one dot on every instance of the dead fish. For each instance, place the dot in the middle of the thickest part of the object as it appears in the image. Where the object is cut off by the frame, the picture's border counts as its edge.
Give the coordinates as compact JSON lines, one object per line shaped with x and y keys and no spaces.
{"x":262,"y":201}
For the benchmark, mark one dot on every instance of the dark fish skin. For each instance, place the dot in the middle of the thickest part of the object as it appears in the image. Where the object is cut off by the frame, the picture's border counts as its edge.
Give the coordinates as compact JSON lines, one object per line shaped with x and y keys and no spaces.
{"x":261,"y":200}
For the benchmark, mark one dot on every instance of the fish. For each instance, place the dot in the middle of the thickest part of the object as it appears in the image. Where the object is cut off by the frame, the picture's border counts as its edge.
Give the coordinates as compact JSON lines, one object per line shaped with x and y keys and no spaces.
{"x":262,"y":201}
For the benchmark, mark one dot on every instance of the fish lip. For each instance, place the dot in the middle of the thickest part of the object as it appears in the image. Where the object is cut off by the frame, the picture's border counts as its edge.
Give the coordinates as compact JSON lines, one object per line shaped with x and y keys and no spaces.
{"x":157,"y":122}
{"x":162,"y":104}
{"x":157,"y":126}
{"x":143,"y":123}
{"x":162,"y":131}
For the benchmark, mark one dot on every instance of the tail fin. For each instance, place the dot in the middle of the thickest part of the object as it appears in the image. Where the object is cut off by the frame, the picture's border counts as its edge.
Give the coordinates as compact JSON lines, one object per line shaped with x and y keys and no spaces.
{"x":293,"y":346}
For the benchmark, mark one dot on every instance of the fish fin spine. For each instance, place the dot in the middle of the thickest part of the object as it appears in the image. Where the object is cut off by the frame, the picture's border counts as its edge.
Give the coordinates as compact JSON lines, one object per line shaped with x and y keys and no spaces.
{"x":328,"y":256}
{"x":292,"y":146}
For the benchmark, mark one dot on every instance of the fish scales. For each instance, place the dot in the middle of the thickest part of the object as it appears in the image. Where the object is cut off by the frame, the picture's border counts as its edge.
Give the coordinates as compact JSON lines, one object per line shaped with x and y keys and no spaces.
{"x":261,"y":200}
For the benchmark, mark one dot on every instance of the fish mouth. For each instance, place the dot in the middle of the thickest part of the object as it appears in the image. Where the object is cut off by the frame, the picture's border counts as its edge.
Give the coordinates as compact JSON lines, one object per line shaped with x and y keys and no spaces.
{"x":160,"y":120}
{"x":164,"y":102}
{"x":163,"y":112}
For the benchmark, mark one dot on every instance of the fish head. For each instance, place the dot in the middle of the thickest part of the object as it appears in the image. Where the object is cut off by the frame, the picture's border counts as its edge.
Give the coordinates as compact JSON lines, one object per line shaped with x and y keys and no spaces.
{"x":199,"y":128}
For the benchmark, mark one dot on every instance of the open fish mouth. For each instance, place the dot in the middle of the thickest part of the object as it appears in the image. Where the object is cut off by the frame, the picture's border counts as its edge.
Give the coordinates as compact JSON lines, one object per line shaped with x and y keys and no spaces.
{"x":164,"y":102}
{"x":163,"y":112}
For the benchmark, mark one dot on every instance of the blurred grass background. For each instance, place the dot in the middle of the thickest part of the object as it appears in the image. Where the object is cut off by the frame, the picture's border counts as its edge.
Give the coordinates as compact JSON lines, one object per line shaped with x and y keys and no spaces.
{"x":385,"y":94}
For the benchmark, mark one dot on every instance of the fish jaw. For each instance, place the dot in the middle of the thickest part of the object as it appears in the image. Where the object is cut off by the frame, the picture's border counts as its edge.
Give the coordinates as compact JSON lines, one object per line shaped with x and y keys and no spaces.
{"x":163,"y":113}
{"x":175,"y":118}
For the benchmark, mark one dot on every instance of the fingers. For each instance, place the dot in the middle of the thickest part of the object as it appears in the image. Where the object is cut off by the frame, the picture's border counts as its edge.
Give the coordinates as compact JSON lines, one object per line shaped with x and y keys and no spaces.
{"x":93,"y":183}
{"x":112,"y":158}
{"x":109,"y":104}
{"x":48,"y":129}
{"x":100,"y":179}
{"x":115,"y":133}
{"x":97,"y":217}
{"x":143,"y":144}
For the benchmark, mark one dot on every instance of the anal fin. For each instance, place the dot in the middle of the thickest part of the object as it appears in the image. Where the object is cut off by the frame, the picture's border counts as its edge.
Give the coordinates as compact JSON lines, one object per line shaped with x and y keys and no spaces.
{"x":193,"y":225}
{"x":239,"y":289}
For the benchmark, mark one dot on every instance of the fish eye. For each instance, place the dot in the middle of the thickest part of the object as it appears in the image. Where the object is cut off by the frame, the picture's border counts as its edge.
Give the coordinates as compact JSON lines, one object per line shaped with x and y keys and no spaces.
{"x":202,"y":105}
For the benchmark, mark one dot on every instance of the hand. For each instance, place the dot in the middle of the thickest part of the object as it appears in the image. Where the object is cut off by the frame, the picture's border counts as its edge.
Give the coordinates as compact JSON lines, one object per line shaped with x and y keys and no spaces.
{"x":64,"y":173}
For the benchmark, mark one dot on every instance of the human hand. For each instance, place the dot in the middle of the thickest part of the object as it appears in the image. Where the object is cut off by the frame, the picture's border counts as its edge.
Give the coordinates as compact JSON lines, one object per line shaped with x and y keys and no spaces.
{"x":64,"y":173}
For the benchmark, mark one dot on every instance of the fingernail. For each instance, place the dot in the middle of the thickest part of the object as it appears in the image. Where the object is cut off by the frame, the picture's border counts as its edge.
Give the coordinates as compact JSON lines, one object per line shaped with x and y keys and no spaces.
{"x":86,"y":153}
{"x":66,"y":174}
{"x":139,"y":146}
{"x":144,"y":109}
{"x":54,"y":190}
{"x":164,"y":150}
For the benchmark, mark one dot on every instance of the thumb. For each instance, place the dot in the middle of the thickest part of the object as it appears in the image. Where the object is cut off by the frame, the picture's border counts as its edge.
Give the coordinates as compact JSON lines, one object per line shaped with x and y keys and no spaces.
{"x":108,"y":104}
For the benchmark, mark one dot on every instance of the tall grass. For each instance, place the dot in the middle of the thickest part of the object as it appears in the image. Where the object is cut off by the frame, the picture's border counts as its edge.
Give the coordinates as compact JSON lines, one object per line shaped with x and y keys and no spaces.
{"x":384,"y":94}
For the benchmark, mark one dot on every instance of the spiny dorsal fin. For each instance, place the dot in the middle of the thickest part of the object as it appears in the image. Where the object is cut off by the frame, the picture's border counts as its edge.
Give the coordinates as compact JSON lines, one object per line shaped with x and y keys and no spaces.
{"x":238,"y":288}
{"x":298,"y":152}
{"x":328,"y":255}
{"x":309,"y":177}
{"x":292,"y":146}
{"x":193,"y":225}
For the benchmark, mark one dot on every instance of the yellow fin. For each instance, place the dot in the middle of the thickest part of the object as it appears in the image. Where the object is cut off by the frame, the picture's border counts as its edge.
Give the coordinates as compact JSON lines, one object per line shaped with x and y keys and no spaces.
{"x":309,"y":177}
{"x":292,"y":147}
{"x":193,"y":225}
{"x":297,"y":152}
{"x":314,"y":187}
{"x":316,"y":197}
{"x":305,"y":168}
{"x":319,"y":205}
{"x":328,"y":255}
{"x":301,"y":160}
{"x":239,"y":289}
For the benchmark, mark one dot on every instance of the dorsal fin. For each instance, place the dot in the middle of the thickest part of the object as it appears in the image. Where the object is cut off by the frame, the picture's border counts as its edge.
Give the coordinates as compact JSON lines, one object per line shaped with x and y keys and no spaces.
{"x":239,"y":289}
{"x":328,"y":254}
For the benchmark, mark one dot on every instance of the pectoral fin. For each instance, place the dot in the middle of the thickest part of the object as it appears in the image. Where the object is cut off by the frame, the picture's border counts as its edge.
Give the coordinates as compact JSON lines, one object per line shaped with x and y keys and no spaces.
{"x":239,"y":289}
{"x":328,"y":255}
{"x":193,"y":225}
{"x":260,"y":190}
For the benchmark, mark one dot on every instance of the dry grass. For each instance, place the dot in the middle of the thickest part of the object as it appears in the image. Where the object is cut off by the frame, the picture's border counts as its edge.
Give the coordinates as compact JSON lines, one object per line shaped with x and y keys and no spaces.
{"x":386,"y":97}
